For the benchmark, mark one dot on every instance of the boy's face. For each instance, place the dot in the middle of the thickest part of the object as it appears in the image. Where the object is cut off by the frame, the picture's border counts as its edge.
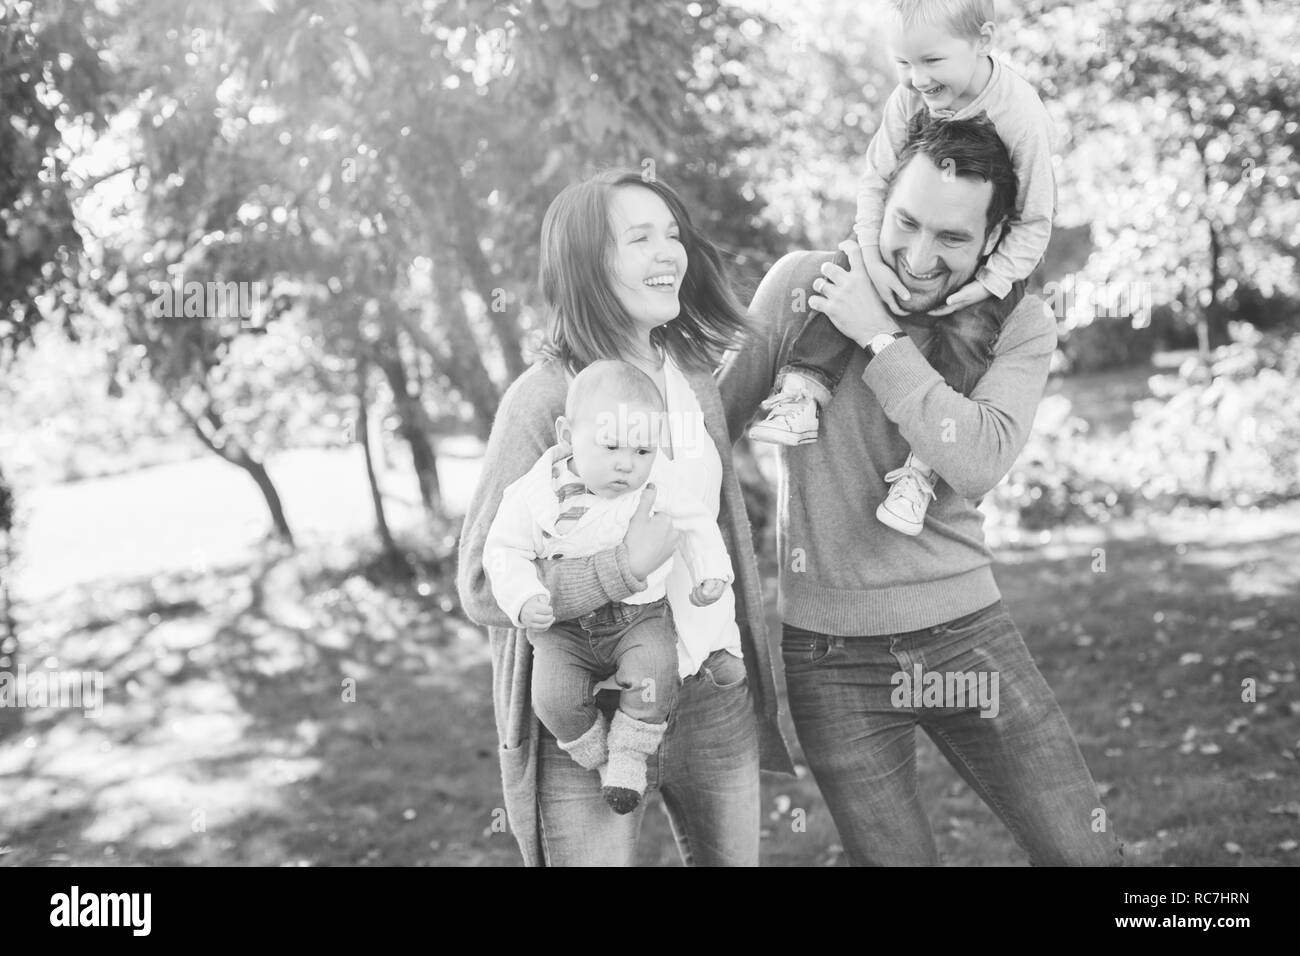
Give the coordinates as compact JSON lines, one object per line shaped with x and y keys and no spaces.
{"x":614,"y":445}
{"x":942,"y":67}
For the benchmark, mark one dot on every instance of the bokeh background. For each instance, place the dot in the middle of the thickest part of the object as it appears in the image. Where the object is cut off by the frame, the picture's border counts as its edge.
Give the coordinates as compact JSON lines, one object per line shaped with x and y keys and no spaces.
{"x":247,"y":525}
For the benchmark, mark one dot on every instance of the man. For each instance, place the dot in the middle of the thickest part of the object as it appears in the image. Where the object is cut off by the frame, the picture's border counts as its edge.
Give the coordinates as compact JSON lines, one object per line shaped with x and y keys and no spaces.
{"x":884,"y":632}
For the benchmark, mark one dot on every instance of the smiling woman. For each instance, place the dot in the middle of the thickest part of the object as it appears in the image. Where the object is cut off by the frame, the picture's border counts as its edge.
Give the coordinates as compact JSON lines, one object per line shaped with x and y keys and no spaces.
{"x":625,"y":275}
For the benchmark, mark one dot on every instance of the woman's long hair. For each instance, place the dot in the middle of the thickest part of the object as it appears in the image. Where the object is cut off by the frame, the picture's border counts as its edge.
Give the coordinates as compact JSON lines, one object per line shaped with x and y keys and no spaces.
{"x":585,"y":319}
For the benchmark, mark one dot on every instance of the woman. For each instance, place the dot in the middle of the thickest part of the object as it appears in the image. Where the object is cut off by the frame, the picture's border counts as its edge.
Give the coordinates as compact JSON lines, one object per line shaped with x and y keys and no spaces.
{"x":625,"y":275}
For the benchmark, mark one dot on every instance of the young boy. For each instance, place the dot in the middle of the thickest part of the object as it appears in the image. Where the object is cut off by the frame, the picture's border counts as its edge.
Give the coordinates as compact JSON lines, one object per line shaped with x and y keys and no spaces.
{"x":941,"y":48}
{"x":576,"y":501}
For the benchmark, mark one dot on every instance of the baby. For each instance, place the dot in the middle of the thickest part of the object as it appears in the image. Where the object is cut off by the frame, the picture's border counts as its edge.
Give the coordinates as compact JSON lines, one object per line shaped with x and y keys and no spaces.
{"x":576,"y":501}
{"x":941,"y":48}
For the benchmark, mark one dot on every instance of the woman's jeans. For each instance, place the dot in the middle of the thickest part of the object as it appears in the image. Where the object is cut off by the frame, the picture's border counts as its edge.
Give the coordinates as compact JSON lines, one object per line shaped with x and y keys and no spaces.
{"x":706,"y":770}
{"x":857,"y":717}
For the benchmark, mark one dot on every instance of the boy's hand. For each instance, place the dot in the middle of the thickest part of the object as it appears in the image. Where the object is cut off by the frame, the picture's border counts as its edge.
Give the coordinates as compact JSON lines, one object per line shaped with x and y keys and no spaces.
{"x":707,"y":591}
{"x":968,"y":294}
{"x":888,"y":285}
{"x":536,"y":614}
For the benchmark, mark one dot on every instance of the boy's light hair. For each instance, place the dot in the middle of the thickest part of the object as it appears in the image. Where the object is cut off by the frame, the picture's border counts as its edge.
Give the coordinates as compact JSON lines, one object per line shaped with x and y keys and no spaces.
{"x":963,"y":17}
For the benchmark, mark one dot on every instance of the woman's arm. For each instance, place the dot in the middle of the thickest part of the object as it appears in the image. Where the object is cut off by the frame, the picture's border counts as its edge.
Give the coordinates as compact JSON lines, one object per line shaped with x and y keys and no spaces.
{"x":523,"y":429}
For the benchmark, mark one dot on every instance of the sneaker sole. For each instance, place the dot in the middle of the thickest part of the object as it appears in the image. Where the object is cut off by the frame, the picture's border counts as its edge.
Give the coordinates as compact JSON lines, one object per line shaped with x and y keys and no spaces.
{"x":775,"y":436}
{"x":887,"y":517}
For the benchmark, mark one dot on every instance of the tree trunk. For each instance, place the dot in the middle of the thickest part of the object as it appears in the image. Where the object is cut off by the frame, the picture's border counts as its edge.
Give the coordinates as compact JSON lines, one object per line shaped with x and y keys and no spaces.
{"x":391,"y":554}
{"x":414,"y":421}
{"x":466,"y":230}
{"x":238,"y":456}
{"x":11,"y":718}
{"x":1209,"y":322}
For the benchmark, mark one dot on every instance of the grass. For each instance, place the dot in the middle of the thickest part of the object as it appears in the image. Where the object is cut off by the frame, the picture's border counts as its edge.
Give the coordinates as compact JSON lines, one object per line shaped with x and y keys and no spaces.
{"x":227,"y":736}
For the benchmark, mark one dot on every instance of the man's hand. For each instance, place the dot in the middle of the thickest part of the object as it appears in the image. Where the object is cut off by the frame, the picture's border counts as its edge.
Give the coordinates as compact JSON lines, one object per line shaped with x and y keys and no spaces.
{"x":650,"y":539}
{"x":849,"y":299}
{"x":968,"y":294}
{"x":885,"y":281}
{"x":707,"y":591}
{"x":536,"y":614}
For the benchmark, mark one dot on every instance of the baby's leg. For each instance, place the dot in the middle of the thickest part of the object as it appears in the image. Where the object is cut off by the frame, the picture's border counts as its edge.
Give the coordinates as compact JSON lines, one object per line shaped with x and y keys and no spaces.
{"x":563,"y":672}
{"x":648,"y":673}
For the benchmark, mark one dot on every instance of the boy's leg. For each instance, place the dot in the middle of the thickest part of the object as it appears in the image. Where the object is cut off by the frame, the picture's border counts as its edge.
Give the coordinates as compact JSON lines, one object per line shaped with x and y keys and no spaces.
{"x":818,"y":357}
{"x":820,"y":352}
{"x":961,"y":346}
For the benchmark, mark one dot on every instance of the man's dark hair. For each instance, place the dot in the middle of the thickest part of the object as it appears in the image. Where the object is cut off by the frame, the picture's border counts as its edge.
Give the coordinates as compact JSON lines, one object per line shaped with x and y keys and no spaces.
{"x":974,"y":149}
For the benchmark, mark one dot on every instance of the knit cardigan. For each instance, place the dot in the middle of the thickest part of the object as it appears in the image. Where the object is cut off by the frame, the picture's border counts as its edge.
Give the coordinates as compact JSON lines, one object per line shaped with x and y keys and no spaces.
{"x":523,"y":429}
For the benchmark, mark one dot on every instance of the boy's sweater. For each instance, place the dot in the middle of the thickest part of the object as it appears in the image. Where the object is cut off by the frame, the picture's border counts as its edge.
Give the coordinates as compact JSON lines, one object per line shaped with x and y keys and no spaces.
{"x":1023,"y":125}
{"x":842,"y":571}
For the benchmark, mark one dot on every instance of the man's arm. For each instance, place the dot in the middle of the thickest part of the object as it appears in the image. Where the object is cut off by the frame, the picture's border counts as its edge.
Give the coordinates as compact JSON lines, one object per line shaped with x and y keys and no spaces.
{"x":971,"y":442}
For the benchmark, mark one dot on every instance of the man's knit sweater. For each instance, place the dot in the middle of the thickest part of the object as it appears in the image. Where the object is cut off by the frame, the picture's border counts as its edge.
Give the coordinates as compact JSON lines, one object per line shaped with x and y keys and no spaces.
{"x":842,"y":571}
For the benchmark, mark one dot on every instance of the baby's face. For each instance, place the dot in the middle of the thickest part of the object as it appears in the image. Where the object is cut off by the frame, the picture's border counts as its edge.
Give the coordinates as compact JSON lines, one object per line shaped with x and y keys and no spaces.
{"x":938,"y":65}
{"x":614,"y":445}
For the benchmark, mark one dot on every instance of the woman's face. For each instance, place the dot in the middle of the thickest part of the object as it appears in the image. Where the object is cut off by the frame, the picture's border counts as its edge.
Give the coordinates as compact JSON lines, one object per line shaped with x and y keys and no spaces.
{"x":649,"y":260}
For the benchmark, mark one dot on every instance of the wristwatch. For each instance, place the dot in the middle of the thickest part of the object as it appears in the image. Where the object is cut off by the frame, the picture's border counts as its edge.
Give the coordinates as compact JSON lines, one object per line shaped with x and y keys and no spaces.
{"x":880,"y":342}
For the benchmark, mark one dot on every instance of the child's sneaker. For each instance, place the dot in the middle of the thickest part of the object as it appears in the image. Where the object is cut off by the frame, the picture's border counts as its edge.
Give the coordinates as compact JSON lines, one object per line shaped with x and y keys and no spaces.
{"x":910,"y":491}
{"x":792,"y":419}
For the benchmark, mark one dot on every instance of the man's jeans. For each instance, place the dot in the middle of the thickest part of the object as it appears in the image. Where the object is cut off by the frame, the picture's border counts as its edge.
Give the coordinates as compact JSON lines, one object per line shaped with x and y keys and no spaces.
{"x":706,"y":770}
{"x":856,"y":719}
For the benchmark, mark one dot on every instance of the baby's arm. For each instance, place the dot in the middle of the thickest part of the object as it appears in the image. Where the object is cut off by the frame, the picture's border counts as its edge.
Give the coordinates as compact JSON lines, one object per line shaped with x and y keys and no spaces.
{"x":1022,"y":247}
{"x":508,"y":555}
{"x":700,"y":542}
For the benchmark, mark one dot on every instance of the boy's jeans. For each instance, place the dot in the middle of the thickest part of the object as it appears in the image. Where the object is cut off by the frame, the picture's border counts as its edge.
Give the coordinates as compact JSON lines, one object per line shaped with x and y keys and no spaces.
{"x":706,"y":770}
{"x":635,"y":643}
{"x":861,"y":747}
{"x":959,"y":346}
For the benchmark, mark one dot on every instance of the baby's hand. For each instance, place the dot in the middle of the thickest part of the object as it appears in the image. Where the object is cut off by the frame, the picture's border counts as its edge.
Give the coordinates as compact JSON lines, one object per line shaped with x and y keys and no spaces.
{"x":888,"y":285}
{"x":968,"y":294}
{"x":536,"y":614}
{"x":707,"y":591}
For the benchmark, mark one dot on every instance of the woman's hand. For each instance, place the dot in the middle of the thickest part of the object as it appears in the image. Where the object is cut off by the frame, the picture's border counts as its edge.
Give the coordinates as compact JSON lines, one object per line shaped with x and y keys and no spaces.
{"x":650,"y":539}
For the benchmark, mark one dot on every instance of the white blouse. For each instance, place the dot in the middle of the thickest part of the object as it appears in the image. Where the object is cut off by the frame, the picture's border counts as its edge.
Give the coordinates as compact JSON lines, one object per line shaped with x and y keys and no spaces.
{"x":700,"y":630}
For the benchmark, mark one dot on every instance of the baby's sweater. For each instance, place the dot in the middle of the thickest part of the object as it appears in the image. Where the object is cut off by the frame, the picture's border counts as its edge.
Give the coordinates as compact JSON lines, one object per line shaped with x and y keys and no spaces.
{"x":524,"y":530}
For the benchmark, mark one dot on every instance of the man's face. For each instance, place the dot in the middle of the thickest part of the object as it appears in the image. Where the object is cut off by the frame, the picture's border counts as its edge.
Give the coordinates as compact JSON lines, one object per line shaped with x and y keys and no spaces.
{"x":932,"y":233}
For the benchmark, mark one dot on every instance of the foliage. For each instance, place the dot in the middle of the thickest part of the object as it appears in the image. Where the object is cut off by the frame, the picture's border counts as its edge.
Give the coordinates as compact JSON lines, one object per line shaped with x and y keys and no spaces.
{"x":51,"y":83}
{"x":1226,"y":432}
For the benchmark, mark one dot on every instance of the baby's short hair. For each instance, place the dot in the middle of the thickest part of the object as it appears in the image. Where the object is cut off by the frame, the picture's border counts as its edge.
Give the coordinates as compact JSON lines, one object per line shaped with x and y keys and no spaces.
{"x":612,"y":381}
{"x":963,"y":17}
